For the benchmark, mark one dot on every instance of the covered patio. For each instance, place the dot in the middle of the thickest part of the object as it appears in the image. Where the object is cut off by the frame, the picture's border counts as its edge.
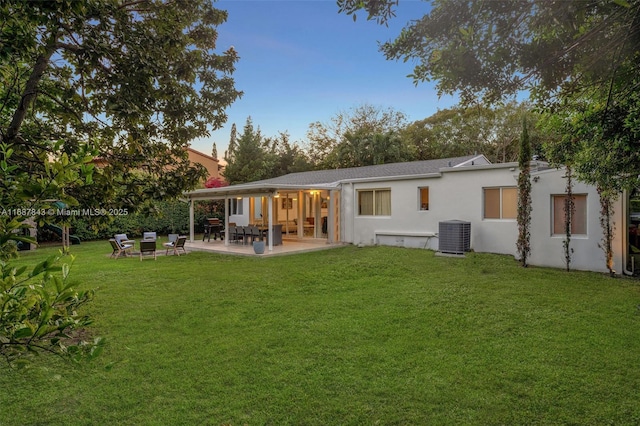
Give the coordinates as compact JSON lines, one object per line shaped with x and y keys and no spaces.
{"x":307,"y":216}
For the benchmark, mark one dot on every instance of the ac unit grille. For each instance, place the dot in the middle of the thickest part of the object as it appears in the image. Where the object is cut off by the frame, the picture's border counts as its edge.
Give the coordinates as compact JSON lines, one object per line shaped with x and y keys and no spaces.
{"x":454,"y":236}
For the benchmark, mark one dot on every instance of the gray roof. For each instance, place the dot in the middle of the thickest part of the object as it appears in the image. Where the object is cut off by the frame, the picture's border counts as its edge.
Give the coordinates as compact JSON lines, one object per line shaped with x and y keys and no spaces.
{"x":332,"y":178}
{"x":320,"y":177}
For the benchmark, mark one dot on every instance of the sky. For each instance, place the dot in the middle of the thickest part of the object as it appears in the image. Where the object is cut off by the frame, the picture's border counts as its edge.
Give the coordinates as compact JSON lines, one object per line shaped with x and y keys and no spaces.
{"x":302,"y":62}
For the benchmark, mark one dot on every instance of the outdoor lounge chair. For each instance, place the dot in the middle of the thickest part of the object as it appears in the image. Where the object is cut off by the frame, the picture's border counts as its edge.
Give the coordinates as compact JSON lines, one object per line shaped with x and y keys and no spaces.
{"x":123,"y":239}
{"x":148,"y":247}
{"x":176,"y":246}
{"x":119,"y":249}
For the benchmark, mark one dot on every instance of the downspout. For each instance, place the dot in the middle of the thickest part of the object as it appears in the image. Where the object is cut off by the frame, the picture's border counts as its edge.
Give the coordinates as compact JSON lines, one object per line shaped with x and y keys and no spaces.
{"x":354,"y":204}
{"x":625,"y":234}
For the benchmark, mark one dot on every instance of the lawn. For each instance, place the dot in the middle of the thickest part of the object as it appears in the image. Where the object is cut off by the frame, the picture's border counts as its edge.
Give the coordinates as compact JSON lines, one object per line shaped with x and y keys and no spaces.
{"x":347,"y":336}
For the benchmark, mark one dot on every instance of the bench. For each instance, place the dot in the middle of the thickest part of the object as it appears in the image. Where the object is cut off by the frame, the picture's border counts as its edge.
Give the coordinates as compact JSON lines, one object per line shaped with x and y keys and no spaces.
{"x":402,"y":236}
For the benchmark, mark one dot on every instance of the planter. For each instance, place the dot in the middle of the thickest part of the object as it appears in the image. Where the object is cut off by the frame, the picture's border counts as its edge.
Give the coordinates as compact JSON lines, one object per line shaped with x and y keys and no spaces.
{"x":258,"y":247}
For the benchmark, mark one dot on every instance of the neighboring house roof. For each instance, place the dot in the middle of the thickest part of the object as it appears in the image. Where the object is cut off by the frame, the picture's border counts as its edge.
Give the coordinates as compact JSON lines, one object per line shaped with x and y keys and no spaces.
{"x":333,"y":178}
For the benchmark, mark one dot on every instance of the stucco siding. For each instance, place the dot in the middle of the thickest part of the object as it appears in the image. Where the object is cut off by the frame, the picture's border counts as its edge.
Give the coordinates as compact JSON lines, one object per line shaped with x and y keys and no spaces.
{"x":459,"y":195}
{"x":547,"y":249}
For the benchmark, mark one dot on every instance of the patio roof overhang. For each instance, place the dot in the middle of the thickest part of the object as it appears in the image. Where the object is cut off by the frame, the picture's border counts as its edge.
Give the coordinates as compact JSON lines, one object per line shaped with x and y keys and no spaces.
{"x":251,"y":190}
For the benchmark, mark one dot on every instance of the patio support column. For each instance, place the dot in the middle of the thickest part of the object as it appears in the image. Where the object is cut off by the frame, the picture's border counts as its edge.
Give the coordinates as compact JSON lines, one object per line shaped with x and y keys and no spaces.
{"x":191,"y":202}
{"x":331,"y":217}
{"x":299,"y":205}
{"x":270,"y":223}
{"x":317,"y":216}
{"x":226,"y":221}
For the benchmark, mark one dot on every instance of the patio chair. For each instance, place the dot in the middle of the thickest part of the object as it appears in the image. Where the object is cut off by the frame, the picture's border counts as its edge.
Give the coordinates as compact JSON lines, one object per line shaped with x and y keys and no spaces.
{"x":241,"y":233}
{"x":148,"y":247}
{"x":119,"y":249}
{"x":176,"y":246}
{"x":231,"y":233}
{"x":123,"y":239}
{"x":255,"y":233}
{"x":149,"y":236}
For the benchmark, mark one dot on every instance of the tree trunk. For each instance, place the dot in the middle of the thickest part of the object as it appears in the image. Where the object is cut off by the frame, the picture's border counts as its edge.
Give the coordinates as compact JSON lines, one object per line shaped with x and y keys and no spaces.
{"x":31,"y":88}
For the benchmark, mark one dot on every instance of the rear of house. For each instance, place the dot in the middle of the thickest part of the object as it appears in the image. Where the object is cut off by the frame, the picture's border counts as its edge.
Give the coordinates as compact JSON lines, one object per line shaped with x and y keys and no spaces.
{"x":407,"y":212}
{"x":403,"y":204}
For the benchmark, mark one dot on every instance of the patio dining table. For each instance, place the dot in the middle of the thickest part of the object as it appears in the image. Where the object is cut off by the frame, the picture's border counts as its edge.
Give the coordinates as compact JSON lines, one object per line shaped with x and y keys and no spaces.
{"x":277,"y":233}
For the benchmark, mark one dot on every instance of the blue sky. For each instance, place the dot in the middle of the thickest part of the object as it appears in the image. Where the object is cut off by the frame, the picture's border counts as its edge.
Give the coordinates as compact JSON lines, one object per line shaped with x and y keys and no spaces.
{"x":302,"y":62}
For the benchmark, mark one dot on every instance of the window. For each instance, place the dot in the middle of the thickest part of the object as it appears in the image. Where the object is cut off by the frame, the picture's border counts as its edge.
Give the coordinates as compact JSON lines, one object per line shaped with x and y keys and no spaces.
{"x":500,"y":203}
{"x":424,"y":198}
{"x":236,"y":206}
{"x":375,"y":202}
{"x":579,"y":219}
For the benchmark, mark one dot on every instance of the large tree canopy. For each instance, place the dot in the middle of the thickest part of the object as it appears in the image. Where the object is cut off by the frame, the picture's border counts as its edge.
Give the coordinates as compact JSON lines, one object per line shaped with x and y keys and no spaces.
{"x":493,"y":49}
{"x":361,"y":136}
{"x":578,"y":59}
{"x":125,"y":84}
{"x":134,"y":80}
{"x":494,"y":132}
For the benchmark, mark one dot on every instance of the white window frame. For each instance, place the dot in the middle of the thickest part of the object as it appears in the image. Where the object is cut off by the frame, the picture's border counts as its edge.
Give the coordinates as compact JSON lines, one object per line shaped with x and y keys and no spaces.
{"x":373,"y":191}
{"x":420,"y":198}
{"x":585,"y":212}
{"x":501,"y":206}
{"x":236,"y":206}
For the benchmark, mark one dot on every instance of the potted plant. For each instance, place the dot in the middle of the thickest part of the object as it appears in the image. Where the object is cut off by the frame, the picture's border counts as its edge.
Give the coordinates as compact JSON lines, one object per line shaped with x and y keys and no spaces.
{"x":258,"y":247}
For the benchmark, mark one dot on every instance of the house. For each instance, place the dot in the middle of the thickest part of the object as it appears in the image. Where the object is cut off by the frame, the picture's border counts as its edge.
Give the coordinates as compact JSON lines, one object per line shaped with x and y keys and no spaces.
{"x":402,"y":204}
{"x":212,"y":165}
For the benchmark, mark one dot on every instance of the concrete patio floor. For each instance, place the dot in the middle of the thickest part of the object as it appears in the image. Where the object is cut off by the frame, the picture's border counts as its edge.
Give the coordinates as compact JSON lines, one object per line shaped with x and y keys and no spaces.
{"x":288,"y":246}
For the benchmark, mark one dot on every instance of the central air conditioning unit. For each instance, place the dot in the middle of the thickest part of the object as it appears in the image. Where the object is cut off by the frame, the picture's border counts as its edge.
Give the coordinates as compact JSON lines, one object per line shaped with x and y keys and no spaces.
{"x":454,"y":236}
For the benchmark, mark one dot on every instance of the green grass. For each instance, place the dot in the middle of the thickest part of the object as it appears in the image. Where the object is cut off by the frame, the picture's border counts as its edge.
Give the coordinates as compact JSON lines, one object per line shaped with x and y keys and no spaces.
{"x":347,"y":336}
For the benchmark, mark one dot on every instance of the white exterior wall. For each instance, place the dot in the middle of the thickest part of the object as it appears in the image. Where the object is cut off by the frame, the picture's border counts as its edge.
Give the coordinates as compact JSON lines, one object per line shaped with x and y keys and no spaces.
{"x":547,"y":249}
{"x":458,"y":195}
{"x":241,"y":219}
{"x":453,"y":196}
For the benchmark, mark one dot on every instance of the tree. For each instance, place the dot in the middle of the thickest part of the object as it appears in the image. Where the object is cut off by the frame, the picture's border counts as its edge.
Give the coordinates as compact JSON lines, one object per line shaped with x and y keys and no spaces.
{"x":40,"y":310}
{"x":126,"y":84}
{"x":328,"y":145}
{"x":231,"y":149}
{"x":247,"y":160}
{"x":524,"y":197}
{"x":494,"y":49}
{"x":598,"y":139}
{"x":494,"y":132}
{"x":214,"y":151}
{"x":365,"y":149}
{"x":561,"y":147}
{"x":285,"y":157}
{"x":112,"y":75}
{"x":563,"y":53}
